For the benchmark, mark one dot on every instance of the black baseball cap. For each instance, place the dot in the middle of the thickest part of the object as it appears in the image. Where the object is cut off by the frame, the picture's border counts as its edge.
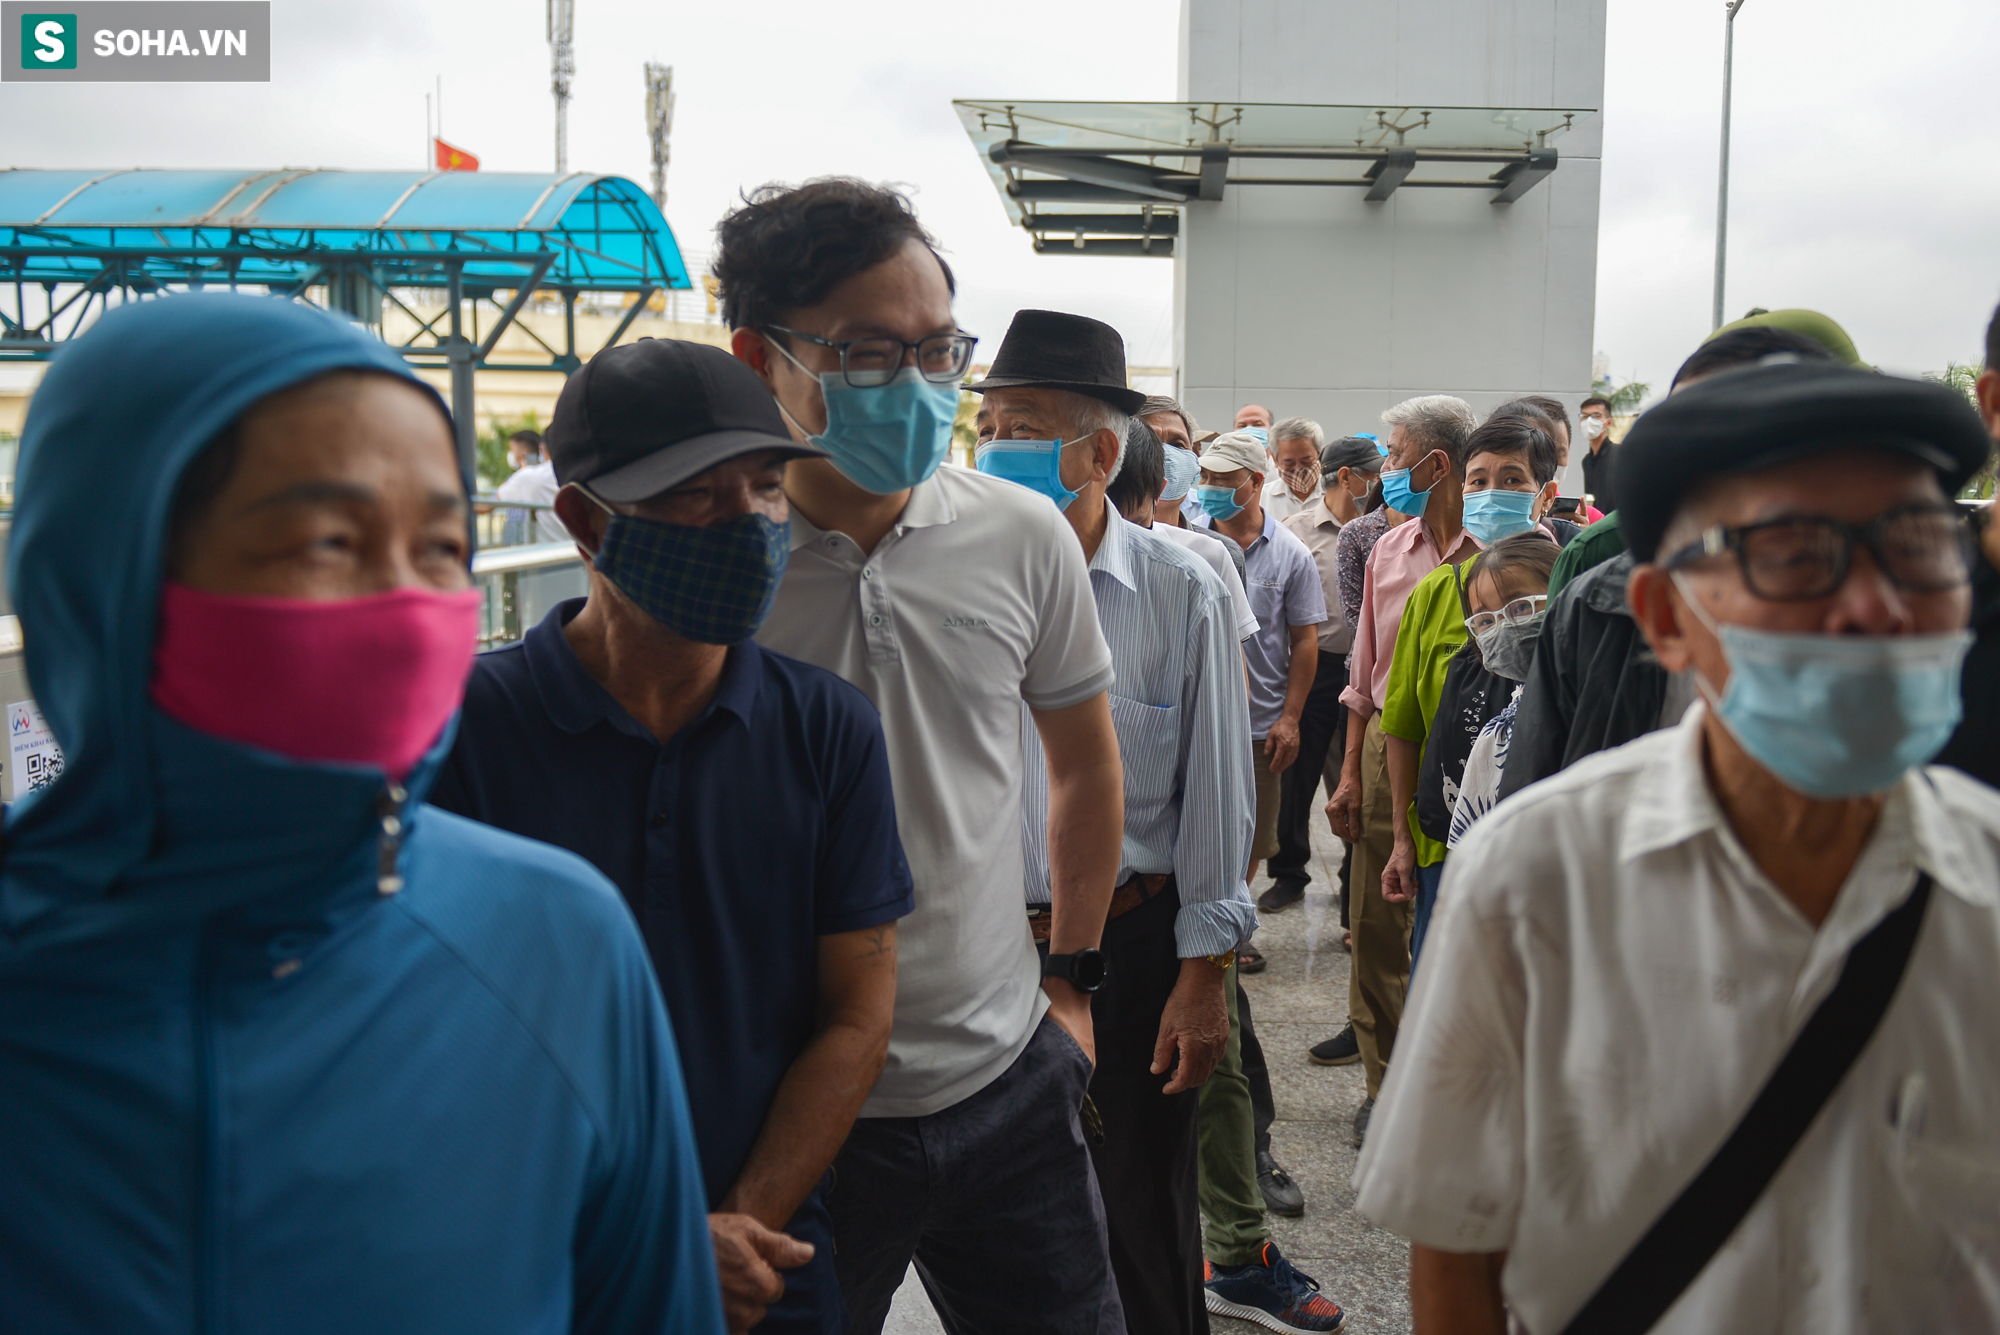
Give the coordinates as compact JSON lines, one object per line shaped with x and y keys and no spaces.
{"x":1776,"y":412}
{"x":642,"y":417}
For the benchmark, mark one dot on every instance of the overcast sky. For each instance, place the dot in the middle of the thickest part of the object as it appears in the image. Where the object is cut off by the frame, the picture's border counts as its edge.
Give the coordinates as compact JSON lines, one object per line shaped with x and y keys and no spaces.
{"x":1866,"y":172}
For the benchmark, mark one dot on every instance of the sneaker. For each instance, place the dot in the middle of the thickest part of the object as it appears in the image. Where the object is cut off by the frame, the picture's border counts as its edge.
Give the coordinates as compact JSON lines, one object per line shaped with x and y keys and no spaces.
{"x":1281,"y":896}
{"x":1361,"y":1122}
{"x":1340,"y":1050}
{"x":1273,"y":1295}
{"x":1249,"y":961}
{"x":1281,"y":1194}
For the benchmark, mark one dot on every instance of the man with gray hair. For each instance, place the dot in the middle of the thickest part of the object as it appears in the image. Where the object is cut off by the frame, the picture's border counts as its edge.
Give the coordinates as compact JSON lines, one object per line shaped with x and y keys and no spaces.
{"x":1295,"y":447}
{"x":1053,"y":417}
{"x":1420,"y":478}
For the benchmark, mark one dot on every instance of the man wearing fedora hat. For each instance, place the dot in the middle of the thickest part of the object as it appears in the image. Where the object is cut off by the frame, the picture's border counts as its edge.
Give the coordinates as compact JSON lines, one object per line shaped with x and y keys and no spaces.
{"x":1054,"y":416}
{"x":740,"y":800}
{"x":951,"y":599}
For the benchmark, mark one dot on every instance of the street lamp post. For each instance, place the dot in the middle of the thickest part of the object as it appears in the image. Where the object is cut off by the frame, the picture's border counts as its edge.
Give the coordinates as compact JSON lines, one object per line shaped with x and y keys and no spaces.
{"x":1722,"y":183}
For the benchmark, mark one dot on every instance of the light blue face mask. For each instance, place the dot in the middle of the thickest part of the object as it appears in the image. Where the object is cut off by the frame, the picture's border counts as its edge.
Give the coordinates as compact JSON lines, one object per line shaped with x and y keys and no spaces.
{"x":1262,"y":433}
{"x":1034,"y":464}
{"x":1494,"y":514}
{"x":1182,"y":470}
{"x":1398,"y":495}
{"x":886,"y":438}
{"x":1218,"y":503}
{"x":1837,"y":716}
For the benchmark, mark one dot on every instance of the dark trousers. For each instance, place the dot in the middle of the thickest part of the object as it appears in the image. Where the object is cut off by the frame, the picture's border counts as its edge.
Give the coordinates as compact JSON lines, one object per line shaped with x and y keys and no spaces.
{"x":1322,"y":725}
{"x":993,"y":1198}
{"x":1146,"y":1163}
{"x":1263,"y":1109}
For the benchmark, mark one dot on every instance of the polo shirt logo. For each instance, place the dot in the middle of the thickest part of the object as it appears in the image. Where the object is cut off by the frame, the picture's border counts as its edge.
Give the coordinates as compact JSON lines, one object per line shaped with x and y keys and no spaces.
{"x":963,"y":623}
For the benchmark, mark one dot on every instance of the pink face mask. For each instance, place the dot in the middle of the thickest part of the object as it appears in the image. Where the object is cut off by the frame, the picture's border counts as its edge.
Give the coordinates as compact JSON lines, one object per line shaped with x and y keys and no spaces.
{"x":362,"y":681}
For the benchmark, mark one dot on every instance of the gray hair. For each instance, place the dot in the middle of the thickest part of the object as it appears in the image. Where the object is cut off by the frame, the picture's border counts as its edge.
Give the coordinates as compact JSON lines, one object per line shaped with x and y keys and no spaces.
{"x":1436,"y":422}
{"x":1089,"y":415}
{"x":1298,"y":428}
{"x":1156,"y":404}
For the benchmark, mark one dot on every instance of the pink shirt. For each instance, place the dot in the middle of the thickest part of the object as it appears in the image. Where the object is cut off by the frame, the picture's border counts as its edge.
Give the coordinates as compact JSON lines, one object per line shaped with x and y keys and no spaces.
{"x":1402,"y":557}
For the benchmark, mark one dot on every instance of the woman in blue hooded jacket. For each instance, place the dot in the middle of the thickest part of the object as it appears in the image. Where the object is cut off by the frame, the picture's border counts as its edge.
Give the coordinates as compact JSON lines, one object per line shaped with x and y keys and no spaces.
{"x":280,"y":1047}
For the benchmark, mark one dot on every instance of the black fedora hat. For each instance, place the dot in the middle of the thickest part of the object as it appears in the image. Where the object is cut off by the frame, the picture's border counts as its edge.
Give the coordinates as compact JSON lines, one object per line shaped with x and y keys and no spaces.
{"x":1053,"y":350}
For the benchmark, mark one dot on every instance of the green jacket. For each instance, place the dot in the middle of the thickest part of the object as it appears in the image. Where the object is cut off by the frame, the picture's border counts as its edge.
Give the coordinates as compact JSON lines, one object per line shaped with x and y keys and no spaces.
{"x":1587,"y":550}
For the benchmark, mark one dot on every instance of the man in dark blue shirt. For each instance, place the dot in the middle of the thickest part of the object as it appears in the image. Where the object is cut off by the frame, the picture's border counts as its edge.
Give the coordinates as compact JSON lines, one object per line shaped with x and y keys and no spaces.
{"x":739,"y":799}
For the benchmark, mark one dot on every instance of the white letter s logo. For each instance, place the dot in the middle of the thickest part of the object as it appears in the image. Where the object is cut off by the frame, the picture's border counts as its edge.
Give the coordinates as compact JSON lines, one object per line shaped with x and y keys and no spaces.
{"x":48,"y":42}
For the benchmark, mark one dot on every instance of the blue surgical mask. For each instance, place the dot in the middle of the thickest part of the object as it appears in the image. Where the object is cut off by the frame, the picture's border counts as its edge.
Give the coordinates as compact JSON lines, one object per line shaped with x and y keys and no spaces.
{"x":885,"y":438}
{"x":1494,"y":514}
{"x":1182,"y":470}
{"x":1398,"y":495}
{"x":1035,"y":464}
{"x":1263,"y":435}
{"x":1837,"y":716}
{"x":1218,"y":503}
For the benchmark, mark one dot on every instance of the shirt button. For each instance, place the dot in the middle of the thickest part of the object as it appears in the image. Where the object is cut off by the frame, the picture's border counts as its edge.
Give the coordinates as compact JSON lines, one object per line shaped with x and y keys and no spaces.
{"x":875,"y":620}
{"x":832,"y":541}
{"x":658,"y":820}
{"x":868,"y":572}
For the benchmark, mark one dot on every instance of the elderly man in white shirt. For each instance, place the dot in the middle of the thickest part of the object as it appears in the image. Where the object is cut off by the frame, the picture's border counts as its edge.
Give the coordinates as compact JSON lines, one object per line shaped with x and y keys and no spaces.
{"x":1583,"y":1107}
{"x":1295,"y":446}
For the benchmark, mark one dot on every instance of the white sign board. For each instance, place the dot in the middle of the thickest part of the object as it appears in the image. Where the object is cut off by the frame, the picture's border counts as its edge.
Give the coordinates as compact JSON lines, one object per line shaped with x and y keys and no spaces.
{"x":34,"y":759}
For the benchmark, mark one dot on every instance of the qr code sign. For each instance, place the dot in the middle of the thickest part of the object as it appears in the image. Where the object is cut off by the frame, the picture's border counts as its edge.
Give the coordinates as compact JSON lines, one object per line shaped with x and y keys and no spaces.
{"x":43,"y":770}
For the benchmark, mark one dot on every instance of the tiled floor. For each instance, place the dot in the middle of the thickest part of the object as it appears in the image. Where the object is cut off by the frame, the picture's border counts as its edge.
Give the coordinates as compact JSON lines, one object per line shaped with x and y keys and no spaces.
{"x":1299,"y":1000}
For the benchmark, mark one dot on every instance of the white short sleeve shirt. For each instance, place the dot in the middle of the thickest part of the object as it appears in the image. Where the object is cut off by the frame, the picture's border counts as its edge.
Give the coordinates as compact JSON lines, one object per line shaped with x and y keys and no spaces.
{"x":1606,"y":986}
{"x":977,"y":601}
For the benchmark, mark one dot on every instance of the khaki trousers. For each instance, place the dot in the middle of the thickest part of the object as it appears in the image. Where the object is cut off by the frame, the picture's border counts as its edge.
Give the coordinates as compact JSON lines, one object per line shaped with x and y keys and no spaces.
{"x":1381,"y":968}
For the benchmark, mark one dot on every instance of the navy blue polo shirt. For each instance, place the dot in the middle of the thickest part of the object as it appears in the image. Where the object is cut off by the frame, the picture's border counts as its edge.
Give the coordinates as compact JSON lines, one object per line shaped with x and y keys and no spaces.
{"x":763,"y":825}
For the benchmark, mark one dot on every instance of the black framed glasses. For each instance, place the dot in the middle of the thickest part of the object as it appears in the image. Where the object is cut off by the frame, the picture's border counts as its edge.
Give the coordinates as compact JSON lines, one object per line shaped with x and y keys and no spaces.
{"x":1921,"y":548}
{"x":866,"y":363}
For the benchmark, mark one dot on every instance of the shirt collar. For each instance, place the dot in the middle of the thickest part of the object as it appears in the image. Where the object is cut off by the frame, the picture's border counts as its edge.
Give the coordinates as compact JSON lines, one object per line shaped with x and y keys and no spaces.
{"x":577,"y":702}
{"x":1320,"y":515}
{"x":928,"y":506}
{"x":1672,"y":803}
{"x":1114,"y":553}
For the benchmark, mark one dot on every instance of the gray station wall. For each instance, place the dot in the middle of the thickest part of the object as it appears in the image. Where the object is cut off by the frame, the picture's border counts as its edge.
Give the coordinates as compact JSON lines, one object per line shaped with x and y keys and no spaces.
{"x":1317,"y":303}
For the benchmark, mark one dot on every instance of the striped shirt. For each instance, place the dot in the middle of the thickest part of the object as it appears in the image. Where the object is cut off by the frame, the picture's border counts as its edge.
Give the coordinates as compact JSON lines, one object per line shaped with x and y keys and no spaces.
{"x":1183,"y":723}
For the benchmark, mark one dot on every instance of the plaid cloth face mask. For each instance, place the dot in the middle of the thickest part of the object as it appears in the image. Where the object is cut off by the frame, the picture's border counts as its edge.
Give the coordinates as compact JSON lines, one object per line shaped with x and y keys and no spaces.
{"x":712,"y":585}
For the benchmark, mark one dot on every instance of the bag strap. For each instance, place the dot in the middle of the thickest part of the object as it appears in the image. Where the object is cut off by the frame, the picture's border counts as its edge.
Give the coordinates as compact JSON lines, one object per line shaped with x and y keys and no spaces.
{"x":1681,"y":1241}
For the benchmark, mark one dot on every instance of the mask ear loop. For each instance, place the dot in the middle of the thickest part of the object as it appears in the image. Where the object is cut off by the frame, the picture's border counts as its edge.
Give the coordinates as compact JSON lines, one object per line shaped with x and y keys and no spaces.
{"x":595,"y":500}
{"x":805,"y":370}
{"x":1701,"y":614}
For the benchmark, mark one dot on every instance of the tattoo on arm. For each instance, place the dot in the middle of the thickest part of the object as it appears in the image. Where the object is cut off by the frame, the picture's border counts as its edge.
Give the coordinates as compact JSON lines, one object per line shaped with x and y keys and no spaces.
{"x":880,"y":941}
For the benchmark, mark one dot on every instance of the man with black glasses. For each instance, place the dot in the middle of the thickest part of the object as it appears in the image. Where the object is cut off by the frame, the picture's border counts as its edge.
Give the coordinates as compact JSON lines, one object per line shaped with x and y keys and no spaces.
{"x":950,"y":598}
{"x":1763,"y":946}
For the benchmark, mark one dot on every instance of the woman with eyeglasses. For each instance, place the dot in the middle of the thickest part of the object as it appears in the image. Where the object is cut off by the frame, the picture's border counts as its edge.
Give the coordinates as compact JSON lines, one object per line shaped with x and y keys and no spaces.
{"x":1506,"y":598}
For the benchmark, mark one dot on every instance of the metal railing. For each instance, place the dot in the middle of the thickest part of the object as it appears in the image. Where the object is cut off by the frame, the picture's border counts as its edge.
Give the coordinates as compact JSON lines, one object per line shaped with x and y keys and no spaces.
{"x":521,"y":584}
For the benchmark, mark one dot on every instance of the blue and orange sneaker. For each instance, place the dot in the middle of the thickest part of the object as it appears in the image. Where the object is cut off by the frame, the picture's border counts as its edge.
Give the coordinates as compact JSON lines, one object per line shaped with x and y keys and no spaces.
{"x":1272,"y":1294}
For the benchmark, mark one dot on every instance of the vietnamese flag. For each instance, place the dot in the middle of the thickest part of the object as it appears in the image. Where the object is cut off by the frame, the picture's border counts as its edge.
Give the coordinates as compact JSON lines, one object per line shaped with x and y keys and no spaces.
{"x":451,"y":159}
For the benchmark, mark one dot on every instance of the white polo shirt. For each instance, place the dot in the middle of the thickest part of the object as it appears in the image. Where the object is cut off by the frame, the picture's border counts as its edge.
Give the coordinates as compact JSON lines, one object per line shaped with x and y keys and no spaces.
{"x":1607,"y":984}
{"x":1210,"y":549}
{"x":976,"y":601}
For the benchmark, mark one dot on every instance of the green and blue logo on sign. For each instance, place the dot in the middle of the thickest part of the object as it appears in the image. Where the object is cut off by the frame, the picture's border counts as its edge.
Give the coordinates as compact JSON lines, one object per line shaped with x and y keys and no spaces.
{"x":48,"y":41}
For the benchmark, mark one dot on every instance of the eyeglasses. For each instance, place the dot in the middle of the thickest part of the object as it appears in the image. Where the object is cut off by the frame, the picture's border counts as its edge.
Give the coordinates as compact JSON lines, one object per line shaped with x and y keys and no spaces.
{"x":1922,"y":549}
{"x":1521,"y":609}
{"x":868,"y":362}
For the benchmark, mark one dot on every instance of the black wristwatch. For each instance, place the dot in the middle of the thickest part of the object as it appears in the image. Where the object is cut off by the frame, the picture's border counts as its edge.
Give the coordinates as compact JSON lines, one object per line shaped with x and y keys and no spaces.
{"x":1083,"y":971}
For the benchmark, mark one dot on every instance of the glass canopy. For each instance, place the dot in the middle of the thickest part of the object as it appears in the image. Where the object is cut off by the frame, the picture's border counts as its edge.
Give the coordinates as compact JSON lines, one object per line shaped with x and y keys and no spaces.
{"x":1050,"y":159}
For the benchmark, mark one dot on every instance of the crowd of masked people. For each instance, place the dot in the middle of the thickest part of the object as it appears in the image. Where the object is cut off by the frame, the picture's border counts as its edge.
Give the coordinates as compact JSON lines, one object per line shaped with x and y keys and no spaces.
{"x":858,"y":877}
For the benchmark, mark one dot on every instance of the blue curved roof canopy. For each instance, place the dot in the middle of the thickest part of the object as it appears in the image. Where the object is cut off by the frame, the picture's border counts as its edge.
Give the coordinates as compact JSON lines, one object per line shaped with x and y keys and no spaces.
{"x":290,"y":228}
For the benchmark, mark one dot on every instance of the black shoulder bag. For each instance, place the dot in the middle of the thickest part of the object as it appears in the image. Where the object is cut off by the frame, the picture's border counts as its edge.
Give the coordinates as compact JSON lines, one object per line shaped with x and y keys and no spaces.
{"x":1680,"y":1243}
